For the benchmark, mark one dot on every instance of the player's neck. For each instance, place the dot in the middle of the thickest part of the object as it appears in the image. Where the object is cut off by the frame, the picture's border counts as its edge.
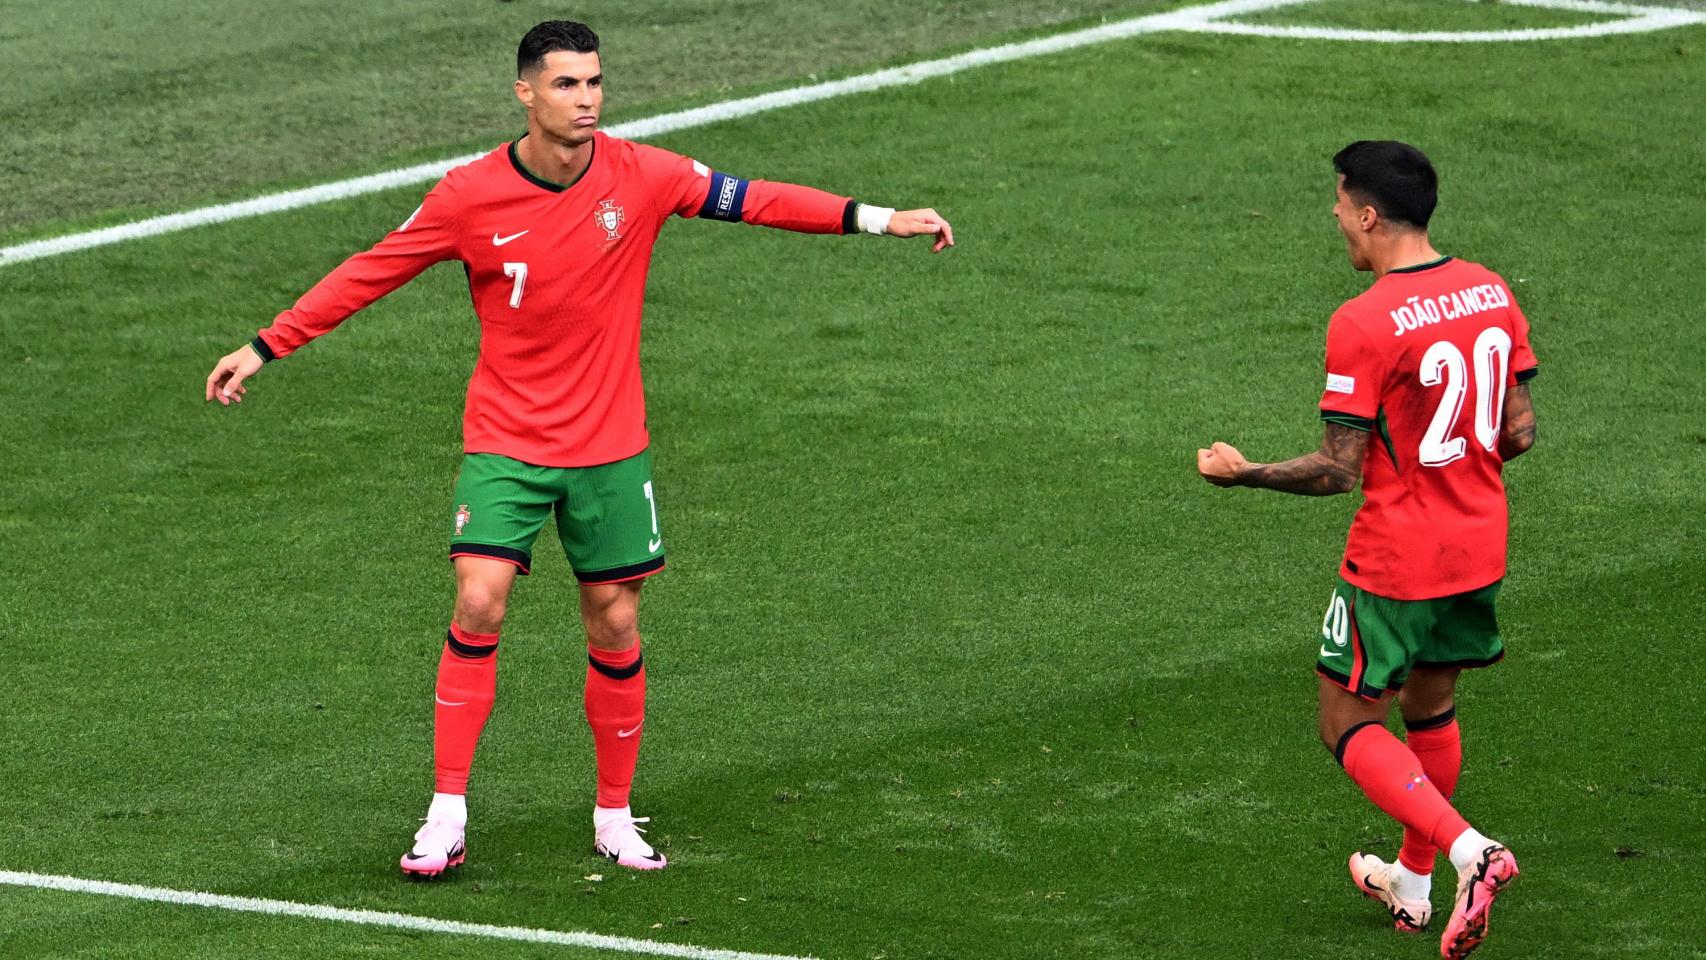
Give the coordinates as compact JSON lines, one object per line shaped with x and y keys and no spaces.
{"x":555,"y":162}
{"x":1404,"y":250}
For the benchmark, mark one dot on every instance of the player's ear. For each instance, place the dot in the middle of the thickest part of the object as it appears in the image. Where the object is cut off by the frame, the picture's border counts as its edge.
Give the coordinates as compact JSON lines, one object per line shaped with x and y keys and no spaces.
{"x":524,"y":92}
{"x":1368,"y":217}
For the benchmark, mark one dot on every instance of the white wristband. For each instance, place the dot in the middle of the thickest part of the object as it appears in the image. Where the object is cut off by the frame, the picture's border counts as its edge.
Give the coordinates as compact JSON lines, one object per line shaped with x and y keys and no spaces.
{"x":874,"y":220}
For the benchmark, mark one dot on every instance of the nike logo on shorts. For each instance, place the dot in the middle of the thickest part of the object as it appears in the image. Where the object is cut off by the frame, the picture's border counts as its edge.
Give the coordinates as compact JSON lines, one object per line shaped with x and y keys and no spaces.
{"x":1330,"y":653}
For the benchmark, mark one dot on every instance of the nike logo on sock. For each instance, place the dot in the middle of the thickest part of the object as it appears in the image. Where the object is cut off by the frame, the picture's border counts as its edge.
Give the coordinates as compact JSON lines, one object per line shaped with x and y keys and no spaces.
{"x":448,"y":703}
{"x":625,"y":734}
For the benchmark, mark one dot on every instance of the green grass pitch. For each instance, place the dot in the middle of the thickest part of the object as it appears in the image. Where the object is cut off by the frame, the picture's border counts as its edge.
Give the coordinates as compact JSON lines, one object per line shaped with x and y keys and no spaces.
{"x":956,"y":656}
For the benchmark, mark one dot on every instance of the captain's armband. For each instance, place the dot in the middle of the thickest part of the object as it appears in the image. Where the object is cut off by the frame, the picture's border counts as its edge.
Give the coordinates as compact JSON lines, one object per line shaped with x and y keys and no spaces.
{"x":726,"y":198}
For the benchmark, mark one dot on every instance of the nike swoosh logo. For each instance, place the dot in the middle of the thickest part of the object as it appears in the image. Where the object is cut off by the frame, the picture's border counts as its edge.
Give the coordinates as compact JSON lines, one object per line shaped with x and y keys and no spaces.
{"x":653,"y":545}
{"x":1330,"y":653}
{"x":498,"y":241}
{"x":448,"y":703}
{"x":625,"y":734}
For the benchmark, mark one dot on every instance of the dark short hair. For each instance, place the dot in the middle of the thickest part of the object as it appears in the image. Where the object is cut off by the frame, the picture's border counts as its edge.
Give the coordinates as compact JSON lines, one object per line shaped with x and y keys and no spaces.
{"x":1394,"y":178}
{"x":549,"y":37}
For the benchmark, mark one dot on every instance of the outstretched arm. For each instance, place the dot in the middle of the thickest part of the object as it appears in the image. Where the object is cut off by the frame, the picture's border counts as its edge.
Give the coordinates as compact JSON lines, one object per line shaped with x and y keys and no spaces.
{"x":423,"y":240}
{"x":1332,"y":469}
{"x":789,"y":206}
{"x":687,"y":188}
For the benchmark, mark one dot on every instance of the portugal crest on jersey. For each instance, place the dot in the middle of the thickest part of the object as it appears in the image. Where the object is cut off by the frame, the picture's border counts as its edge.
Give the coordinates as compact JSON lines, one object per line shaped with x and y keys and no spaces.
{"x":609,"y":216}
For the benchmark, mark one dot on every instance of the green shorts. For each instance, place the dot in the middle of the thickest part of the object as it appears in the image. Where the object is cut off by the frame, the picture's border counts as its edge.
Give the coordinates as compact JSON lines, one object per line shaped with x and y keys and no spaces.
{"x":1369,"y":643}
{"x":607,"y":516}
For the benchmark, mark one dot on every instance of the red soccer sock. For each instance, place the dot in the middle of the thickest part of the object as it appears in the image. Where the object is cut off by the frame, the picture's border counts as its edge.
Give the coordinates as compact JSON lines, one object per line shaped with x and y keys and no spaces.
{"x":615,"y":709}
{"x":467,"y":686}
{"x":1438,"y":744}
{"x":1391,"y":776}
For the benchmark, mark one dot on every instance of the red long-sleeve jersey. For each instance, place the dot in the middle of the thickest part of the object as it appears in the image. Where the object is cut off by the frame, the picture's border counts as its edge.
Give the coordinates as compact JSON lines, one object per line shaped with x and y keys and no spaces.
{"x":1423,"y":358}
{"x":558,"y":279}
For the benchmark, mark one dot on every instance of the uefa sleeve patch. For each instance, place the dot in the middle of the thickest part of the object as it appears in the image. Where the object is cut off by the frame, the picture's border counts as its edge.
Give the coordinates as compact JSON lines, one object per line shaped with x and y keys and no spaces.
{"x":1337,"y":383}
{"x":725,"y":198}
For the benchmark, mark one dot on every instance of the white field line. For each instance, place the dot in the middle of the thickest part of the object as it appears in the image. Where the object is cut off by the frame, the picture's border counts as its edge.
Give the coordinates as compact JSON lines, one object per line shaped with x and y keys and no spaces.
{"x":1206,"y":18}
{"x":1629,"y":19}
{"x":376,"y":918}
{"x":1189,"y":18}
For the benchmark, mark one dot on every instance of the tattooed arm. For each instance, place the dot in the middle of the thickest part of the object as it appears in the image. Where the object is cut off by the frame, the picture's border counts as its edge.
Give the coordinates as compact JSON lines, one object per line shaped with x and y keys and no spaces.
{"x":1335,"y":468}
{"x":1518,"y":432}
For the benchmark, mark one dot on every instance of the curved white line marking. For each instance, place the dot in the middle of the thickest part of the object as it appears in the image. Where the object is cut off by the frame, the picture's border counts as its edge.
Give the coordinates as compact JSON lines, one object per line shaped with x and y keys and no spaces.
{"x":1629,"y":19}
{"x":1605,"y":29}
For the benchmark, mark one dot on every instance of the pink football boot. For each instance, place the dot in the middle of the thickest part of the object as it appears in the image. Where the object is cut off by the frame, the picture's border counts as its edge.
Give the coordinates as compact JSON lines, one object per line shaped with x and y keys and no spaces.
{"x":1476,"y":890}
{"x":438,"y":847}
{"x":616,"y":836}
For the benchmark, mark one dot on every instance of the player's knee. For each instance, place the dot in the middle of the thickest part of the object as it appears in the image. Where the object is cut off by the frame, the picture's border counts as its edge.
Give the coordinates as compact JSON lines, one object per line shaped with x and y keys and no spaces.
{"x":1421,"y":709}
{"x":480,"y":607}
{"x":1333,"y":724}
{"x":1330,"y":731}
{"x":1428,"y":694}
{"x":616,"y":627}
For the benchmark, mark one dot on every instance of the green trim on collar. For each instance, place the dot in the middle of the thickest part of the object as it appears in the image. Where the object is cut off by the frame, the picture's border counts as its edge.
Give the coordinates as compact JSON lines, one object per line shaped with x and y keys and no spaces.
{"x":536,"y":179}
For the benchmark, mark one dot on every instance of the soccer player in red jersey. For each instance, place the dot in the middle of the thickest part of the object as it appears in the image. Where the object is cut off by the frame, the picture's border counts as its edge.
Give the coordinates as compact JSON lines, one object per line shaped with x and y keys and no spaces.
{"x":1426,"y":399}
{"x":555,"y":232}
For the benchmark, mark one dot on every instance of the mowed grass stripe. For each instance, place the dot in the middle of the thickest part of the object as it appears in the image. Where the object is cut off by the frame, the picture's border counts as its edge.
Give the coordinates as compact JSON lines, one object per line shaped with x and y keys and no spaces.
{"x":343,"y":90}
{"x":647,"y":128}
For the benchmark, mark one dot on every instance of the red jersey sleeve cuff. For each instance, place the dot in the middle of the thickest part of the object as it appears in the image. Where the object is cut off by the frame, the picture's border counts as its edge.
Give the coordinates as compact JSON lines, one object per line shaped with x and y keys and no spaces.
{"x":260,"y":347}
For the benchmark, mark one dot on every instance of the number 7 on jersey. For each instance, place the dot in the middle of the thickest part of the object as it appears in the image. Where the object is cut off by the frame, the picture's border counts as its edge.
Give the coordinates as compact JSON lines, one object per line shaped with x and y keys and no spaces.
{"x":519,"y":272}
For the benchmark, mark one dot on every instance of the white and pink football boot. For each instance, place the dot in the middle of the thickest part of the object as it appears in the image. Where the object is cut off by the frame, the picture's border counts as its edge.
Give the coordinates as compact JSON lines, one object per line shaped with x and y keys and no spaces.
{"x":438,"y":847}
{"x":1373,"y":876}
{"x":616,"y":836}
{"x":1476,"y":890}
